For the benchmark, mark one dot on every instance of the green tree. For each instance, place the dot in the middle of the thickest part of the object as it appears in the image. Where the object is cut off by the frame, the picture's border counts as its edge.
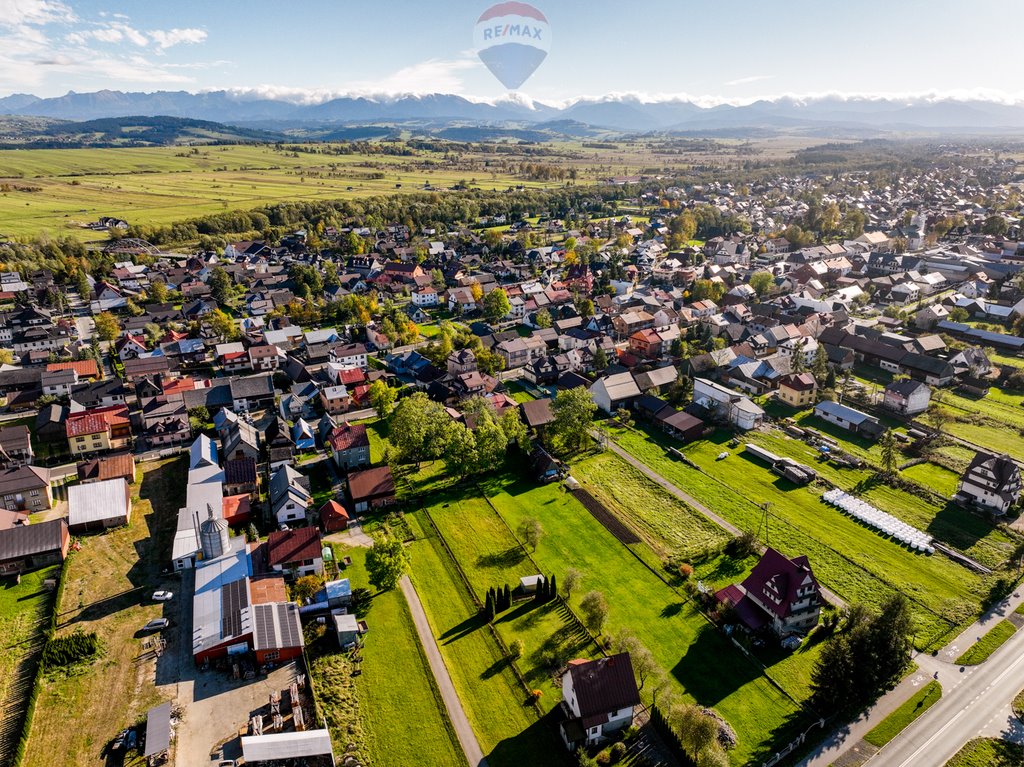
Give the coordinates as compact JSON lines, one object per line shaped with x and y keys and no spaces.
{"x":530,"y":531}
{"x":496,"y":305}
{"x":585,"y":308}
{"x":515,"y":430}
{"x":572,"y":581}
{"x":819,"y":367}
{"x":543,"y":318}
{"x":305,"y":587}
{"x":573,"y":413}
{"x":419,"y":429}
{"x":6,"y":357}
{"x":107,"y":326}
{"x":995,"y":225}
{"x":82,"y":284}
{"x":223,"y":325}
{"x":595,"y":610}
{"x":386,"y":562}
{"x":382,"y":398}
{"x":600,"y":360}
{"x":761,"y":282}
{"x":890,"y":453}
{"x":220,"y":284}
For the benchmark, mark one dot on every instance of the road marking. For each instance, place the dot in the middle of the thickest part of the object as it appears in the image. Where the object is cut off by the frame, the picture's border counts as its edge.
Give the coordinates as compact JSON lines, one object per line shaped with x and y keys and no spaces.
{"x":1008,"y":670}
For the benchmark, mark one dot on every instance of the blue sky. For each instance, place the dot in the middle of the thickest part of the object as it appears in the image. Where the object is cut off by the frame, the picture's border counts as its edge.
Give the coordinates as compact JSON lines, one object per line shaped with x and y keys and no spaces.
{"x":711,"y":50}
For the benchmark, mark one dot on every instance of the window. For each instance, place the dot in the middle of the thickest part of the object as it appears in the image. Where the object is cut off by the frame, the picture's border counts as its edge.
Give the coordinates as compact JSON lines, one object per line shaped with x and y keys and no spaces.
{"x":272,"y":655}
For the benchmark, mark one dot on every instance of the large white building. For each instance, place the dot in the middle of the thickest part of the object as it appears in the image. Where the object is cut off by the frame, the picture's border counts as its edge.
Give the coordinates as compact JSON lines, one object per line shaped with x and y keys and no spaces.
{"x":736,"y":408}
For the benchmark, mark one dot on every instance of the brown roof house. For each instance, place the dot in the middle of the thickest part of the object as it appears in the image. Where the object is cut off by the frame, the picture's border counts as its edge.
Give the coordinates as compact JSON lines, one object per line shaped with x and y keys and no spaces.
{"x":780,"y":593}
{"x":25,"y":488}
{"x":350,"y":445}
{"x":371,"y":488}
{"x":598,"y":697}
{"x":117,"y":466}
{"x":29,"y":547}
{"x":295,"y":552}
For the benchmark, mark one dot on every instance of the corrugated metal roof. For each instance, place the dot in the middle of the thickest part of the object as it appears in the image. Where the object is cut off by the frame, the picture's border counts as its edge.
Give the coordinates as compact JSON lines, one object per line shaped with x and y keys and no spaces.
{"x":97,"y":501}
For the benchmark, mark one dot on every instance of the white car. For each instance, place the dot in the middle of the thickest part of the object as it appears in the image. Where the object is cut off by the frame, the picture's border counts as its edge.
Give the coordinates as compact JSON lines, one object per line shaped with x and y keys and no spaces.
{"x":163,"y":596}
{"x":156,"y":624}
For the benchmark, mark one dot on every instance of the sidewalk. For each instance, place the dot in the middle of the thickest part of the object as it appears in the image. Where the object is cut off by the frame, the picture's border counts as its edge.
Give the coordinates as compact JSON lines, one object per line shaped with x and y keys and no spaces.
{"x":467,"y":738}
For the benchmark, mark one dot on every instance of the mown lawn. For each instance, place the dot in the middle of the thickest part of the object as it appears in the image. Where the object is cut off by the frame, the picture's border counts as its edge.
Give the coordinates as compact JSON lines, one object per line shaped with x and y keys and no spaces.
{"x":507,"y":727}
{"x":934,"y":477}
{"x":384,"y":702}
{"x":988,"y":752}
{"x":667,"y":524}
{"x":980,"y":651}
{"x":683,"y":642}
{"x":492,"y":557}
{"x":903,"y":716}
{"x":852,"y":560}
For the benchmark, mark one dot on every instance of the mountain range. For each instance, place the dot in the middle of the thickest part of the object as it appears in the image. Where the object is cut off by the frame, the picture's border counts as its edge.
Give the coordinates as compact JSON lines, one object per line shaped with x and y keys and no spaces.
{"x":623,"y":114}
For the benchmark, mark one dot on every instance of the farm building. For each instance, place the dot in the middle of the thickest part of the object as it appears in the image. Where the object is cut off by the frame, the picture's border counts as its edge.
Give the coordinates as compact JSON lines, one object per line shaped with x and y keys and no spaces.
{"x":614,"y":391}
{"x":849,"y":419}
{"x":99,"y":505}
{"x":371,"y":488}
{"x":29,"y":547}
{"x":907,"y":397}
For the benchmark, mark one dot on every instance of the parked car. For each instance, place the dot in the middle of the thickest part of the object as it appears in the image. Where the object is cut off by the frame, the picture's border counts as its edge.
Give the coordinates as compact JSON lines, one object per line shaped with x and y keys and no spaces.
{"x":156,"y":624}
{"x":132,"y":739}
{"x":118,"y":743}
{"x":163,"y":596}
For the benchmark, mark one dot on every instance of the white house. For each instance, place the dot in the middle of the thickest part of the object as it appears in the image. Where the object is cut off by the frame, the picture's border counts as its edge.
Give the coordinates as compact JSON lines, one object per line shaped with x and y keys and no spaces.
{"x":907,"y":397}
{"x":614,"y":391}
{"x":732,"y":406}
{"x":350,"y":356}
{"x":424,"y":297}
{"x":992,"y":482}
{"x":598,"y":697}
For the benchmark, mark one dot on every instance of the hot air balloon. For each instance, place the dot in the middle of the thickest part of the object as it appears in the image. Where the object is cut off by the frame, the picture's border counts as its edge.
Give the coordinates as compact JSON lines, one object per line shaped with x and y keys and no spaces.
{"x":512,"y":39}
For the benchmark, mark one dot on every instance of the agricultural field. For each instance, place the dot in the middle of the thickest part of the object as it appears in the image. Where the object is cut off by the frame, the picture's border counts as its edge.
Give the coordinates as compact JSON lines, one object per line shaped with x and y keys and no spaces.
{"x":107,"y":590}
{"x":55,"y":191}
{"x":665,"y":523}
{"x":378,"y":703}
{"x":851,"y":560}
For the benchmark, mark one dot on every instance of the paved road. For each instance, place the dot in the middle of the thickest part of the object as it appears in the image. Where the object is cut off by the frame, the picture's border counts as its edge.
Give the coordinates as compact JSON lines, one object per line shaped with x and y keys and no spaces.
{"x":952,"y":680}
{"x":467,"y":738}
{"x":978,"y":705}
{"x":690,"y":500}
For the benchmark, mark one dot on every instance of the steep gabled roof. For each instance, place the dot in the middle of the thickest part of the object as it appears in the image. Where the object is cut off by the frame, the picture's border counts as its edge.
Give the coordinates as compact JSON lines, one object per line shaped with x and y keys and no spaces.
{"x":775,"y":580}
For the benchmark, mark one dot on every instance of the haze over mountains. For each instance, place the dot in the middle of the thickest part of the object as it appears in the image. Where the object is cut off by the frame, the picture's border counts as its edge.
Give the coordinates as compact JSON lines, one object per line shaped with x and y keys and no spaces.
{"x":625,"y":113}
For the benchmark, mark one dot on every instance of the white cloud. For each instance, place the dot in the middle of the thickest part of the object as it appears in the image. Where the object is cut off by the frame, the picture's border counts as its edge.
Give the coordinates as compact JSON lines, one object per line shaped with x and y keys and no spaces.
{"x":750,"y":79}
{"x":18,"y":13}
{"x":171,"y":37}
{"x":430,"y":76}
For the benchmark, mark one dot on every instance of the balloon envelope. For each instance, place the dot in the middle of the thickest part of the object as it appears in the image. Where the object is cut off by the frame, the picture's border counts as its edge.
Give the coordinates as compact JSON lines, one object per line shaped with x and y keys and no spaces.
{"x":512,"y":39}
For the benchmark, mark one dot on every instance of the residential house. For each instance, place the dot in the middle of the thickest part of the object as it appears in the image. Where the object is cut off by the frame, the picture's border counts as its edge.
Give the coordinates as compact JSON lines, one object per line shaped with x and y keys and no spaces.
{"x":120,"y":466}
{"x":98,"y":430}
{"x":728,"y":405}
{"x":25,"y":488}
{"x":295,"y":553}
{"x":335,"y":399}
{"x":350,"y":356}
{"x":780,"y":593}
{"x":615,"y":391}
{"x":850,"y":419}
{"x":350,"y":445}
{"x":371,"y":488}
{"x":290,"y":496}
{"x":991,"y":482}
{"x":241,"y":477}
{"x":15,"y":445}
{"x":907,"y":397}
{"x":798,"y":390}
{"x":598,"y":699}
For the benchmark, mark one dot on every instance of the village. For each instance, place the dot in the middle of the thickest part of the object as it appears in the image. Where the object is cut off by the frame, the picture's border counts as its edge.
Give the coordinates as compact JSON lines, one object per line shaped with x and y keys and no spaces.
{"x":522,"y":479}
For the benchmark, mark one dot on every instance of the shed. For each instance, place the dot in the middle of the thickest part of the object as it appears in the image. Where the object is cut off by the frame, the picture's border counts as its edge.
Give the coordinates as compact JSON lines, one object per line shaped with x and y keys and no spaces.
{"x":346,"y":627}
{"x":99,"y":505}
{"x":529,"y":583}
{"x":158,"y":730}
{"x":279,"y":746}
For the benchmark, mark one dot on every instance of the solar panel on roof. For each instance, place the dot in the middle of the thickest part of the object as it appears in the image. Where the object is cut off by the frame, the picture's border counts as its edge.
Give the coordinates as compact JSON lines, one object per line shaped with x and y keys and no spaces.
{"x":234,"y":598}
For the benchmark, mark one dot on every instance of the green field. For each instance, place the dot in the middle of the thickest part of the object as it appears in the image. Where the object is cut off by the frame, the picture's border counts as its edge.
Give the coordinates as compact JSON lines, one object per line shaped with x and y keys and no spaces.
{"x":683,"y":642}
{"x":980,"y":651}
{"x":506,"y":726}
{"x":385,"y":702}
{"x":667,"y":524}
{"x":903,"y":716}
{"x":24,"y":613}
{"x":161,"y":185}
{"x":852,"y":560}
{"x":988,"y":752}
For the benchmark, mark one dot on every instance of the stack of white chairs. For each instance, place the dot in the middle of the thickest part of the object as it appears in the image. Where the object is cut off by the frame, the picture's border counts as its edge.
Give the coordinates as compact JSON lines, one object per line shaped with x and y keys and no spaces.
{"x":880,"y":520}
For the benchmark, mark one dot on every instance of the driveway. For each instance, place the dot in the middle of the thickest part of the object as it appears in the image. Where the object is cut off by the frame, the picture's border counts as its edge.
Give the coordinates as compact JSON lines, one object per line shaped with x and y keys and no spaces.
{"x":467,"y":738}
